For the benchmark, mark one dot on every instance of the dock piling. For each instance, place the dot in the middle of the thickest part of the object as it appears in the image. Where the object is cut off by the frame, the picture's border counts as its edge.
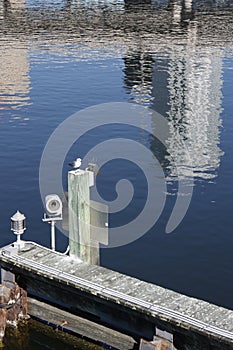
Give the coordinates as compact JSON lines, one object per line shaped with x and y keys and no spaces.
{"x":79,"y":183}
{"x":13,"y":306}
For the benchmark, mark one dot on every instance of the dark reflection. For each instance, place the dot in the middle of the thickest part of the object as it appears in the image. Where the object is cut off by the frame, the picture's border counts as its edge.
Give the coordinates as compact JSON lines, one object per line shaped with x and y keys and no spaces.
{"x":181,"y":11}
{"x":17,"y":338}
{"x":138,"y":75}
{"x":4,"y":8}
{"x":137,"y":5}
{"x":68,"y":4}
{"x":37,"y":336}
{"x":187,"y":12}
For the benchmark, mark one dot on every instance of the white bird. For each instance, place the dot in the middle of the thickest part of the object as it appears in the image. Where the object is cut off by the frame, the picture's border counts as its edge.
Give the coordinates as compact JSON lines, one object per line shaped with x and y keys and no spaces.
{"x":76,"y":164}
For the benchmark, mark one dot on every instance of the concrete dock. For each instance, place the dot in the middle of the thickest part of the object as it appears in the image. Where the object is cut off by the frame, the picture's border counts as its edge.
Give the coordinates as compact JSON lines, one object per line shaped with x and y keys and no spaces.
{"x":116,"y":301}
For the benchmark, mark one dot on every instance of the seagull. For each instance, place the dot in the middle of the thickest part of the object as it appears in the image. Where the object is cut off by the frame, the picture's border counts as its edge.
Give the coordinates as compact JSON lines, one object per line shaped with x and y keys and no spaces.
{"x":76,"y":164}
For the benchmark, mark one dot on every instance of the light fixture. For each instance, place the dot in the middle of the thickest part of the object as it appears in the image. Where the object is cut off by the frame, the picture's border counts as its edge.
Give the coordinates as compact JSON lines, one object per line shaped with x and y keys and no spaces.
{"x":18,"y":226}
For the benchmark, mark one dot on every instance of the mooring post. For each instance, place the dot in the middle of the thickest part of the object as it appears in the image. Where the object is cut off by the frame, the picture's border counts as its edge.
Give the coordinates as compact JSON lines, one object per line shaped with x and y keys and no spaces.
{"x":81,"y":246}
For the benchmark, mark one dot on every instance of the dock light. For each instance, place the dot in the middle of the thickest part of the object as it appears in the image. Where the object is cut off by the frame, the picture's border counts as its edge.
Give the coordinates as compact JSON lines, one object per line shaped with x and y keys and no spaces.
{"x":53,"y":206}
{"x":18,"y":226}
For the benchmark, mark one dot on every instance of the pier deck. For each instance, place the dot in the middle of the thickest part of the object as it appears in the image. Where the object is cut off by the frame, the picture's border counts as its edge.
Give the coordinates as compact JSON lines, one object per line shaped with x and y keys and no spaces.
{"x":115,"y":299}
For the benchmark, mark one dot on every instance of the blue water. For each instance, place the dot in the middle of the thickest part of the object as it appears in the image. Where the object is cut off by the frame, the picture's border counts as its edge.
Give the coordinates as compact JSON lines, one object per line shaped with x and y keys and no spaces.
{"x":182,"y":68}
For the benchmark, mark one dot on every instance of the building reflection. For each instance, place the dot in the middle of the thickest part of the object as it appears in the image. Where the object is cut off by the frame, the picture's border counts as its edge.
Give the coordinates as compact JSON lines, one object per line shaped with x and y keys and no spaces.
{"x":3,"y":8}
{"x":138,"y":72}
{"x":16,"y":4}
{"x":14,"y":63}
{"x":194,"y":106}
{"x":15,"y":79}
{"x":9,"y":6}
{"x":184,"y":85}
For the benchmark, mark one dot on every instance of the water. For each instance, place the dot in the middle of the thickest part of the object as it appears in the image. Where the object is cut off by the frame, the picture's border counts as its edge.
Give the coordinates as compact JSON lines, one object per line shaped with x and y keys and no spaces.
{"x":58,"y":57}
{"x":37,"y":336}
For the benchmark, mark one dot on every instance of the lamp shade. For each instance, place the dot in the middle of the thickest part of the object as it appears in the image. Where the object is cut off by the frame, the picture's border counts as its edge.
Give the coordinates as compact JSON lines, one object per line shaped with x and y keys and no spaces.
{"x":18,"y":223}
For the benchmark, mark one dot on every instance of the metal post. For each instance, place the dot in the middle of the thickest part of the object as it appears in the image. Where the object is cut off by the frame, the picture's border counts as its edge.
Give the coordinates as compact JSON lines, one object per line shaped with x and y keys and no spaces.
{"x":18,"y":240}
{"x":53,"y":234}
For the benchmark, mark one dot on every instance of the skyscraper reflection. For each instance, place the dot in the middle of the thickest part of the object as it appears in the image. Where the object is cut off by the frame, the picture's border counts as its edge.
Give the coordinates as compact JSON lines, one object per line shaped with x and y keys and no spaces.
{"x":17,"y":4}
{"x":194,"y":87}
{"x":185,"y":87}
{"x":15,"y":79}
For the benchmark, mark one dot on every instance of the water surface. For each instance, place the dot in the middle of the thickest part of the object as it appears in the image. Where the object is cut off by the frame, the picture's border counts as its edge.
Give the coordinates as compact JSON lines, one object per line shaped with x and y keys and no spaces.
{"x":58,"y":57}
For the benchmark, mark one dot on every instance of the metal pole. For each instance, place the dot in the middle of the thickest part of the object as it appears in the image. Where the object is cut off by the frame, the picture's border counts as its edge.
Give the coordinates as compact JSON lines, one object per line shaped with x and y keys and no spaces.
{"x":53,"y":234}
{"x":18,"y":240}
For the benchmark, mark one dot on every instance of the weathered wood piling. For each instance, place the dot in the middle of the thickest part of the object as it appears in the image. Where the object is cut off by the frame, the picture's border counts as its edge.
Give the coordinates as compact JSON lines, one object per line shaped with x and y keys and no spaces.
{"x":88,"y":220}
{"x":79,"y":182}
{"x":13,"y":305}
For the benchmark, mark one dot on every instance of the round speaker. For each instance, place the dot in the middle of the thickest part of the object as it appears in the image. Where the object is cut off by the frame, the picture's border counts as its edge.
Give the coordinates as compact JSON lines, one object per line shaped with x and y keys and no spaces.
{"x":53,"y":204}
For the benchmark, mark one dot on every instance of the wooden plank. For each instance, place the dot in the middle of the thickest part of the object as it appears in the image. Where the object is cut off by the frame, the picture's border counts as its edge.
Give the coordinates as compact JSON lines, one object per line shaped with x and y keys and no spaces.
{"x":71,"y":323}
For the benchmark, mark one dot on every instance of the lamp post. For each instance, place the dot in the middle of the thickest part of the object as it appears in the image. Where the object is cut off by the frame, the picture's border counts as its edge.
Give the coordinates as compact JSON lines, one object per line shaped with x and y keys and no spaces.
{"x":18,"y":226}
